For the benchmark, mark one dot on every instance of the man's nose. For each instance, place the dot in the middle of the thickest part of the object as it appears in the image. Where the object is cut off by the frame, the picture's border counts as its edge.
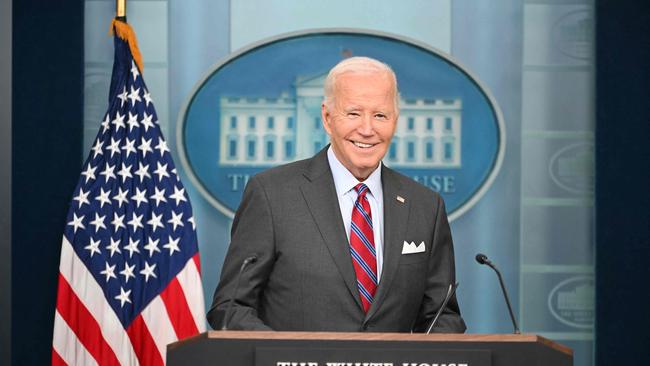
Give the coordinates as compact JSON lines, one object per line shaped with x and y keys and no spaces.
{"x":366,"y":127}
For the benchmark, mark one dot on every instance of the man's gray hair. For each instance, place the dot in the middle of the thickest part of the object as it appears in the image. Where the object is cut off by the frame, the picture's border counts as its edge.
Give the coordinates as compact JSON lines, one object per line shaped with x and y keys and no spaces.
{"x":357,"y":65}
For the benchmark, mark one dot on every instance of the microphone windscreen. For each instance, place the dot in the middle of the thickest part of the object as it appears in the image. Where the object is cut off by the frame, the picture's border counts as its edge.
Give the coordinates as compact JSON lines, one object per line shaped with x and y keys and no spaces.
{"x":481,"y":258}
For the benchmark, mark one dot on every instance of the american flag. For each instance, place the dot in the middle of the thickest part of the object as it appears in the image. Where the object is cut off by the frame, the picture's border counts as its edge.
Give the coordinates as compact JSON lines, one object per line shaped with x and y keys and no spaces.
{"x":129,"y":278}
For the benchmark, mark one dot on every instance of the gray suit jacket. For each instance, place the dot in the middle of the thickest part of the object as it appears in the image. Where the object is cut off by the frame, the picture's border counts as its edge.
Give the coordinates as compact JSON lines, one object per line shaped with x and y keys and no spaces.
{"x":304,"y":279}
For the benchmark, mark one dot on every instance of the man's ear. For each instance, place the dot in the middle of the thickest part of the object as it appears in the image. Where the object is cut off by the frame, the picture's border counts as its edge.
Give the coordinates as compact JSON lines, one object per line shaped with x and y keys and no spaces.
{"x":326,"y":118}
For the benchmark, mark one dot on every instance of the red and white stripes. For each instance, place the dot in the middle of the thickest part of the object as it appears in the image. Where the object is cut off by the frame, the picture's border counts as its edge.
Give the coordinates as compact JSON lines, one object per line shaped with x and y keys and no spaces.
{"x":88,"y":332}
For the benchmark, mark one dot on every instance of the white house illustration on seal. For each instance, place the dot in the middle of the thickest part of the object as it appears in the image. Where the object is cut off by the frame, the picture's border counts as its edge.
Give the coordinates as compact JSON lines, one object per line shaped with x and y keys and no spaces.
{"x":270,"y":131}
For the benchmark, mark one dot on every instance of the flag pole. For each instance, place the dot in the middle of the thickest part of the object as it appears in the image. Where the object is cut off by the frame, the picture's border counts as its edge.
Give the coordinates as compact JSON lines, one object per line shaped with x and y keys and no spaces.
{"x":124,"y":31}
{"x":120,"y":10}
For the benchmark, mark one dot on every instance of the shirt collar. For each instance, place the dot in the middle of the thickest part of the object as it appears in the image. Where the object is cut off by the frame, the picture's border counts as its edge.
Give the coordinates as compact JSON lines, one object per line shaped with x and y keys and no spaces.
{"x":344,"y":181}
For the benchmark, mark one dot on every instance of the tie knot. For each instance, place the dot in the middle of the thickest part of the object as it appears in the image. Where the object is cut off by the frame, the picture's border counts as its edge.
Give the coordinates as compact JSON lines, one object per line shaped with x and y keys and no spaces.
{"x":361,"y":189}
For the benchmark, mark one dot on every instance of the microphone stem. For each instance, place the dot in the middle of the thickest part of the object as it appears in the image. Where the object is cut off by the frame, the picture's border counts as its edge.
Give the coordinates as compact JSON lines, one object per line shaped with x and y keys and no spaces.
{"x":505,"y":294}
{"x":228,"y":314}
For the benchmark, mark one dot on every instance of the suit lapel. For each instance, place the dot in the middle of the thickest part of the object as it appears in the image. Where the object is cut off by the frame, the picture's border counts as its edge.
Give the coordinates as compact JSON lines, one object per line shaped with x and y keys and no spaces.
{"x":395,"y":220}
{"x":320,"y":194}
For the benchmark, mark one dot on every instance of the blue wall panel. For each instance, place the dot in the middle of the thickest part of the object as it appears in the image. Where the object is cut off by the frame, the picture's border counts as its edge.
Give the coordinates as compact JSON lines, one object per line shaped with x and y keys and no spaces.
{"x":46,"y":137}
{"x":623,"y":183}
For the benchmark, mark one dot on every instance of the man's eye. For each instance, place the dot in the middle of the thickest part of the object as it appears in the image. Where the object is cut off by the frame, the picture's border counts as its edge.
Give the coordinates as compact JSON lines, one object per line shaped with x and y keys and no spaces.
{"x":353,"y":114}
{"x":380,"y":116}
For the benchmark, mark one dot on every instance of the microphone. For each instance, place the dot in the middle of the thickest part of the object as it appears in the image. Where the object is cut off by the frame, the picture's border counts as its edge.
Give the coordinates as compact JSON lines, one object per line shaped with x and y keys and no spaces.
{"x":250,"y":260}
{"x":450,"y":292}
{"x":483,"y":259}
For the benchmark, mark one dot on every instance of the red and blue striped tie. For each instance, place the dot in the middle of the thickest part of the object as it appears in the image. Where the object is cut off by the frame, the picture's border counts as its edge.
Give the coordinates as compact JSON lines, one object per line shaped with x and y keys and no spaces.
{"x":362,"y":247}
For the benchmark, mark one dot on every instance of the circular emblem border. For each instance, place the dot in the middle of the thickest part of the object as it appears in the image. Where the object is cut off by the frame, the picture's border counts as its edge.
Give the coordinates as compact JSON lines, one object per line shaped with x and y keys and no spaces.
{"x":464,"y":207}
{"x":553,"y":161}
{"x":557,"y":316}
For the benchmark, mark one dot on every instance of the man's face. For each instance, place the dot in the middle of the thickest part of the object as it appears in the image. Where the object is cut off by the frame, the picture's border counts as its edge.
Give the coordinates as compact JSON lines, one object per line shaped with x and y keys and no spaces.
{"x":361,"y":121}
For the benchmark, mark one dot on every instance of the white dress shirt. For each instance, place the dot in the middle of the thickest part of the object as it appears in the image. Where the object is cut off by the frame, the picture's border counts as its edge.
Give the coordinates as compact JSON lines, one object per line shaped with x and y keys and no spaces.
{"x":345,"y":182}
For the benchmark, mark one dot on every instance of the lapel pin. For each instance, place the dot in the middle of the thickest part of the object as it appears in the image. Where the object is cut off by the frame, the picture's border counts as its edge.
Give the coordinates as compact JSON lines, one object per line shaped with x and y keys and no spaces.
{"x":400,"y":198}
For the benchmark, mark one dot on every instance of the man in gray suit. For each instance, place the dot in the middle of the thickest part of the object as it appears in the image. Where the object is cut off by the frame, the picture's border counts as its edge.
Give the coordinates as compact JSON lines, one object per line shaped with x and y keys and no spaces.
{"x":342,"y":243}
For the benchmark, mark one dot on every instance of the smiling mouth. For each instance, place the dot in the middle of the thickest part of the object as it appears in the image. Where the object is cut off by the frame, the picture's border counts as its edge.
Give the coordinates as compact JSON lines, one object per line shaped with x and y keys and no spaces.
{"x":362,"y":145}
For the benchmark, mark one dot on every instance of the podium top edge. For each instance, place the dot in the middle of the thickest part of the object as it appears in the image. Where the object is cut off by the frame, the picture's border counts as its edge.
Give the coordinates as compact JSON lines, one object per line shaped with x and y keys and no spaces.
{"x":415,"y":337}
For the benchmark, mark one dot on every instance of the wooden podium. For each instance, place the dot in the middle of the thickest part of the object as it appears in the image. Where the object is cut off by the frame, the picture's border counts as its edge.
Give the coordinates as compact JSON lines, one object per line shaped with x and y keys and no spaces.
{"x":366,"y":349}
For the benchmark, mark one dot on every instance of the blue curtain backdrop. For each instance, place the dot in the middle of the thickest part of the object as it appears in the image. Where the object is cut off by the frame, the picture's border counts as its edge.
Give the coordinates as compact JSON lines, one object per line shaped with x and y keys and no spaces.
{"x":47,"y":131}
{"x":623,"y":180}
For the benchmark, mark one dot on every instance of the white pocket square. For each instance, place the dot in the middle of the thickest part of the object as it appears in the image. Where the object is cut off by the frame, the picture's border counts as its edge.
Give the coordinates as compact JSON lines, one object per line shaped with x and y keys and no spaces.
{"x":411,"y":248}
